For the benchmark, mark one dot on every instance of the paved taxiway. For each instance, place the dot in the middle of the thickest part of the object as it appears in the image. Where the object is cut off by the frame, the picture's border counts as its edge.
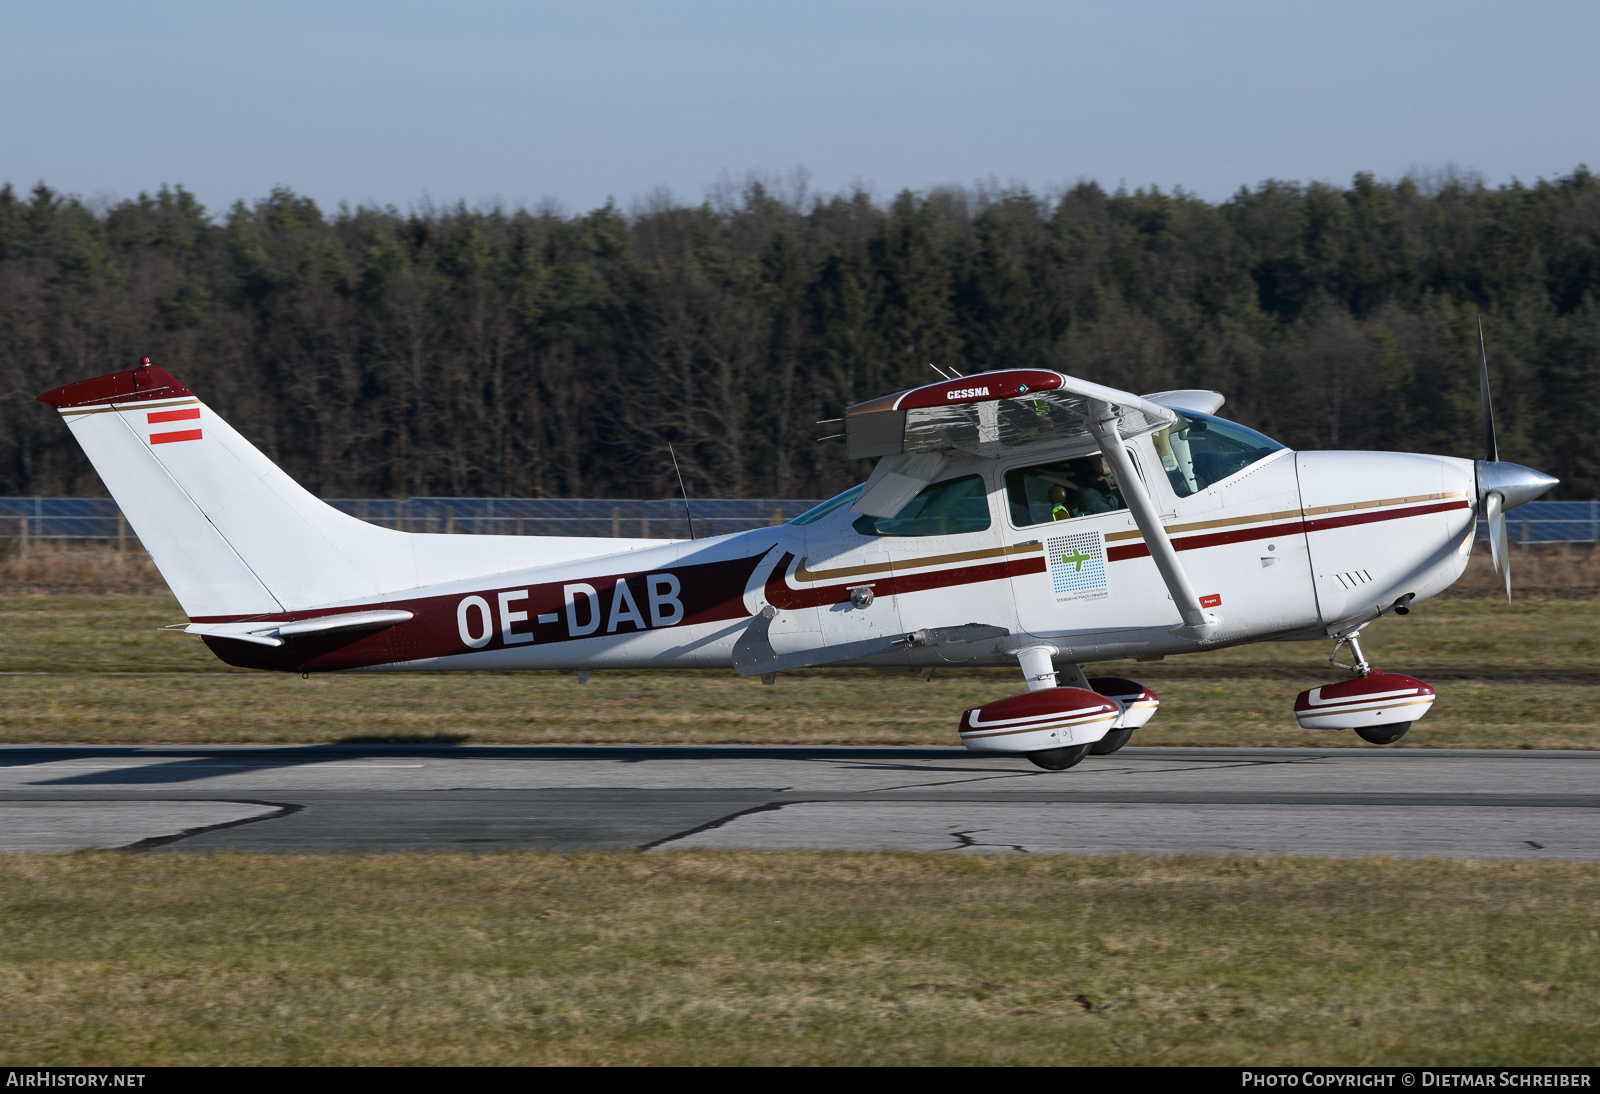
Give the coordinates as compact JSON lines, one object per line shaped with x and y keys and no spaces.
{"x":1354,"y":801}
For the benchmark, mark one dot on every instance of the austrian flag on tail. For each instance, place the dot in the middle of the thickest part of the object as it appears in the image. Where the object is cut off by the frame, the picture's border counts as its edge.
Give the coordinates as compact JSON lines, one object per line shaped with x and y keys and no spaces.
{"x":159,"y":417}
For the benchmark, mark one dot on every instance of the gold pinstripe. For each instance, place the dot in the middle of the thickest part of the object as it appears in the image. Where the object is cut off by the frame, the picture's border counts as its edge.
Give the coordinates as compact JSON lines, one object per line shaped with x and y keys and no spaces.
{"x":1290,"y":514}
{"x":153,"y":404}
{"x":803,"y":574}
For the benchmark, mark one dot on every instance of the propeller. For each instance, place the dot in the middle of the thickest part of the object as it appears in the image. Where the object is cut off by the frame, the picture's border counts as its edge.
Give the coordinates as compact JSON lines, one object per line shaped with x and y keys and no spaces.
{"x":1491,"y":452}
{"x":1501,"y":486}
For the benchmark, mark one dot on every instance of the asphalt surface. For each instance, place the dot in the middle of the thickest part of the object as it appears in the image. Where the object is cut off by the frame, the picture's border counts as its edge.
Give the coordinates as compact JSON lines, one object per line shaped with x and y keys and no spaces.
{"x":1335,"y":802}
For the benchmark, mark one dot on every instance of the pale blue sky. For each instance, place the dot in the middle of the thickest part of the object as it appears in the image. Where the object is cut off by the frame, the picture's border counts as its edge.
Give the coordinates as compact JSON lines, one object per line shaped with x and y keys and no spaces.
{"x":519,"y":102}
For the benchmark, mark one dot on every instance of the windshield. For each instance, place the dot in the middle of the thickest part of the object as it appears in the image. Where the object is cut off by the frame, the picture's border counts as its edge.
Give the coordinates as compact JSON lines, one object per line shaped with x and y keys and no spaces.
{"x":1198,"y":450}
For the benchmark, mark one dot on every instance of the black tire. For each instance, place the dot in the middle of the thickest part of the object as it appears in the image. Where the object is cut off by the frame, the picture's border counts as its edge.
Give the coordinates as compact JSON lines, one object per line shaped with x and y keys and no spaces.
{"x":1112,"y":741}
{"x":1058,"y":759}
{"x":1384,"y":735}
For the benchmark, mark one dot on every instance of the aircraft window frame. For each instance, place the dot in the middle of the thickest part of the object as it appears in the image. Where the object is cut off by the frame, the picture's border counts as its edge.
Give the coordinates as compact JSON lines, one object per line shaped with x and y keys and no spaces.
{"x":1010,"y":512}
{"x":988,"y":507}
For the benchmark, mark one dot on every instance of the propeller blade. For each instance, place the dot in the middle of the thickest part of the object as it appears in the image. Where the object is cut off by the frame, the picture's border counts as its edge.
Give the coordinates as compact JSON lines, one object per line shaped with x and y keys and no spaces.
{"x":1494,"y":513}
{"x":1491,"y":450}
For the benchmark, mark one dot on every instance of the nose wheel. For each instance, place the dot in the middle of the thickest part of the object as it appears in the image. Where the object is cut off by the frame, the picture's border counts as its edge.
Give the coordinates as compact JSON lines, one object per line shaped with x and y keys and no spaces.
{"x":1379,"y":706}
{"x":1383,"y":735}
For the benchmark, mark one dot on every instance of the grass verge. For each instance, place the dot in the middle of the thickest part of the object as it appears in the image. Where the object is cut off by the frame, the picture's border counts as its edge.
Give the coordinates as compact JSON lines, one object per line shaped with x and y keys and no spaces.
{"x":739,"y":958}
{"x":1509,"y":676}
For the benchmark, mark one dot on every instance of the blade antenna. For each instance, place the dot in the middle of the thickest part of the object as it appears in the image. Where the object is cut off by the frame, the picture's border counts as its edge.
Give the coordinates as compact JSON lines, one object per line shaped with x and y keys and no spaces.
{"x":1491,"y":450}
{"x":687,"y":512}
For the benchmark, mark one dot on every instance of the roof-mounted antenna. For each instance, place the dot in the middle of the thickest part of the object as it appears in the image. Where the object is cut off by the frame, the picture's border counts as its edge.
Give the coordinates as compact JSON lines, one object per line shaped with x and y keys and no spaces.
{"x":943,"y":375}
{"x":682,"y":489}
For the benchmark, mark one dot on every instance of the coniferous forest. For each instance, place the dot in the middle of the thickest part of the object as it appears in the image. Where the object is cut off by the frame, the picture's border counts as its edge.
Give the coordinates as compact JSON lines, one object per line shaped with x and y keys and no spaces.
{"x":528,"y":353}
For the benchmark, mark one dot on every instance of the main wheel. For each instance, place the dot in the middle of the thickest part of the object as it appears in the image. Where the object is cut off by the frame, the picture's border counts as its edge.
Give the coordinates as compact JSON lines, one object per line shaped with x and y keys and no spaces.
{"x":1384,"y":735}
{"x":1112,"y":741}
{"x":1058,"y":759}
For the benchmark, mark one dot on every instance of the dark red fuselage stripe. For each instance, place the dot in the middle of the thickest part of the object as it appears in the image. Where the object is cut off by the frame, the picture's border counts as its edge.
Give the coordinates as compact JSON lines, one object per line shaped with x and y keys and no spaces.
{"x":1271,"y":531}
{"x":1325,"y":523}
{"x":709,"y":592}
{"x":784,"y":598}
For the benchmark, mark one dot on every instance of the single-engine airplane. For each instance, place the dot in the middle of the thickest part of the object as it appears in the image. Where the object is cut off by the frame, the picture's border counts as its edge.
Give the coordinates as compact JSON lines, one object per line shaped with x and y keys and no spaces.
{"x":1021,"y":516}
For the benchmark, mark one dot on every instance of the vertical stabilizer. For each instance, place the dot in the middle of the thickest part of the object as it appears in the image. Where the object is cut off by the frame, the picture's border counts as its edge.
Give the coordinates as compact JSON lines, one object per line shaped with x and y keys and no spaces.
{"x":232,"y":534}
{"x":235,"y":537}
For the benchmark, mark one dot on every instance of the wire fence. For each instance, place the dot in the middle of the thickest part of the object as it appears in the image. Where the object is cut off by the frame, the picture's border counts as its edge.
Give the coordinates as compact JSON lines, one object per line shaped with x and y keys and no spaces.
{"x":1551,"y":522}
{"x":28,"y":519}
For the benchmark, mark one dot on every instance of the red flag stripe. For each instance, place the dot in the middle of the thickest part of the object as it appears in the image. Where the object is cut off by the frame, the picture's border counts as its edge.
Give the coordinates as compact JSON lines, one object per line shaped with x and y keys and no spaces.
{"x":180,"y":435}
{"x":173,"y":415}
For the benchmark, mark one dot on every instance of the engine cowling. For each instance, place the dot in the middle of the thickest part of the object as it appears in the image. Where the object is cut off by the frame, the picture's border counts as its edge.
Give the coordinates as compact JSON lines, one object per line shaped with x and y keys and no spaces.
{"x":1137,"y":702}
{"x":1380,"y":698}
{"x":1038,"y":720}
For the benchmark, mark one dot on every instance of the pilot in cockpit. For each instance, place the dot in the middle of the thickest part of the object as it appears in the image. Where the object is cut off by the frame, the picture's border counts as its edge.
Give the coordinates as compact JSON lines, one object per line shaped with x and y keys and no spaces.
{"x":1092,"y":490}
{"x":1062,"y":490}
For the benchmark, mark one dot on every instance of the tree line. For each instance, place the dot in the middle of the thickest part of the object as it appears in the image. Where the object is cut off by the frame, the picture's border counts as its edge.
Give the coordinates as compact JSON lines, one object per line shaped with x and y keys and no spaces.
{"x":530,"y":353}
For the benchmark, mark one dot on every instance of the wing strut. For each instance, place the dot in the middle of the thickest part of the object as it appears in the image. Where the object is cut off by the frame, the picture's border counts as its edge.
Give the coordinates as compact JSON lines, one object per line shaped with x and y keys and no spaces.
{"x":1198,"y":624}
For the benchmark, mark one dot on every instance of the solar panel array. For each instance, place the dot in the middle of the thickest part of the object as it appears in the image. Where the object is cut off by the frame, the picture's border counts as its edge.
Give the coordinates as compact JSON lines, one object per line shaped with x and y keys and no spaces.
{"x":99,"y":518}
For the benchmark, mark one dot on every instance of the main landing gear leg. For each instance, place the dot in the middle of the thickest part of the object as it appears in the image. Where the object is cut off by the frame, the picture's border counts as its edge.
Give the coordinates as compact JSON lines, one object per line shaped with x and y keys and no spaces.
{"x":1037,"y":667}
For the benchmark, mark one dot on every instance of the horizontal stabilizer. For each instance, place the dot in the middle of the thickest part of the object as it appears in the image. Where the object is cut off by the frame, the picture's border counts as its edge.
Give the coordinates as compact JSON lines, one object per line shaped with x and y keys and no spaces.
{"x":273,"y":634}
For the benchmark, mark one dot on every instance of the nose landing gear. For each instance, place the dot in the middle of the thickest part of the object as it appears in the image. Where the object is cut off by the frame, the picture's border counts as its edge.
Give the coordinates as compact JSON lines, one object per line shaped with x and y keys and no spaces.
{"x":1379,"y":706}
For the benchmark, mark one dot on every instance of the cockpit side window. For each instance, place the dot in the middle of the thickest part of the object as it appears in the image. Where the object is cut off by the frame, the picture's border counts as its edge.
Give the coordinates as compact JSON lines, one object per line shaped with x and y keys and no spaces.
{"x":1062,"y":490}
{"x":1198,"y":450}
{"x":943,"y":509}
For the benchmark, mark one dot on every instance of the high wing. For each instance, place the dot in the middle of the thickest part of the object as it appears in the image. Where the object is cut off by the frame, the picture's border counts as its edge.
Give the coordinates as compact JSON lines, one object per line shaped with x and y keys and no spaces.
{"x":991,"y":414}
{"x":997,"y":414}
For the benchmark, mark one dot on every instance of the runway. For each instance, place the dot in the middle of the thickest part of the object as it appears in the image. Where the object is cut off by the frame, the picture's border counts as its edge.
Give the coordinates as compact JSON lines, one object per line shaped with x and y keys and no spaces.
{"x":1228,"y":801}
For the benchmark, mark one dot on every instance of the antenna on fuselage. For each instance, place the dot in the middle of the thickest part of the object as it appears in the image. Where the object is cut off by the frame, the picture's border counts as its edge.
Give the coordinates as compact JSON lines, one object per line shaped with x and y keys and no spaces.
{"x":688,"y":514}
{"x":943,"y":375}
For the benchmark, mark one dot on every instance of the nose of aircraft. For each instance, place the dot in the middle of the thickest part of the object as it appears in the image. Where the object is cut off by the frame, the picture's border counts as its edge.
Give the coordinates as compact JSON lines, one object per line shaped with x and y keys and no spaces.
{"x":1518,"y":485}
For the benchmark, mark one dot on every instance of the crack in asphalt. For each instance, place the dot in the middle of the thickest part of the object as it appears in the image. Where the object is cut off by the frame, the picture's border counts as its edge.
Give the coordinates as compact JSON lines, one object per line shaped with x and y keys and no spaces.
{"x":964,"y":840}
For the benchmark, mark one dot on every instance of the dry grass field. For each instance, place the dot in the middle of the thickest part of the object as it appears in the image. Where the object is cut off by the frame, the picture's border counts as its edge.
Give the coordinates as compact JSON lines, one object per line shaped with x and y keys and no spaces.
{"x":743,"y":958}
{"x":737,"y":958}
{"x":1510,"y":676}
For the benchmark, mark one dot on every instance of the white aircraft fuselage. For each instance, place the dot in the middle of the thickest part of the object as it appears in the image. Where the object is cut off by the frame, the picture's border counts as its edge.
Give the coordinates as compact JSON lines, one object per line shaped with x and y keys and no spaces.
{"x":1291,"y":545}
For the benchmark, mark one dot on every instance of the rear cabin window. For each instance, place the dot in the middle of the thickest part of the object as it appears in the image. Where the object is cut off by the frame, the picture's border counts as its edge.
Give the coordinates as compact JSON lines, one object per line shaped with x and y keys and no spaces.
{"x":1061,"y":491}
{"x":816,"y":513}
{"x":1198,"y":450}
{"x":943,"y":509}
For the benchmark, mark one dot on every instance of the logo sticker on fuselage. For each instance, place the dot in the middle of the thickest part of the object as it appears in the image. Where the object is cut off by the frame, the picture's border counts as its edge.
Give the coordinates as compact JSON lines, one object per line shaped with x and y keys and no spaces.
{"x":1078,"y":566}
